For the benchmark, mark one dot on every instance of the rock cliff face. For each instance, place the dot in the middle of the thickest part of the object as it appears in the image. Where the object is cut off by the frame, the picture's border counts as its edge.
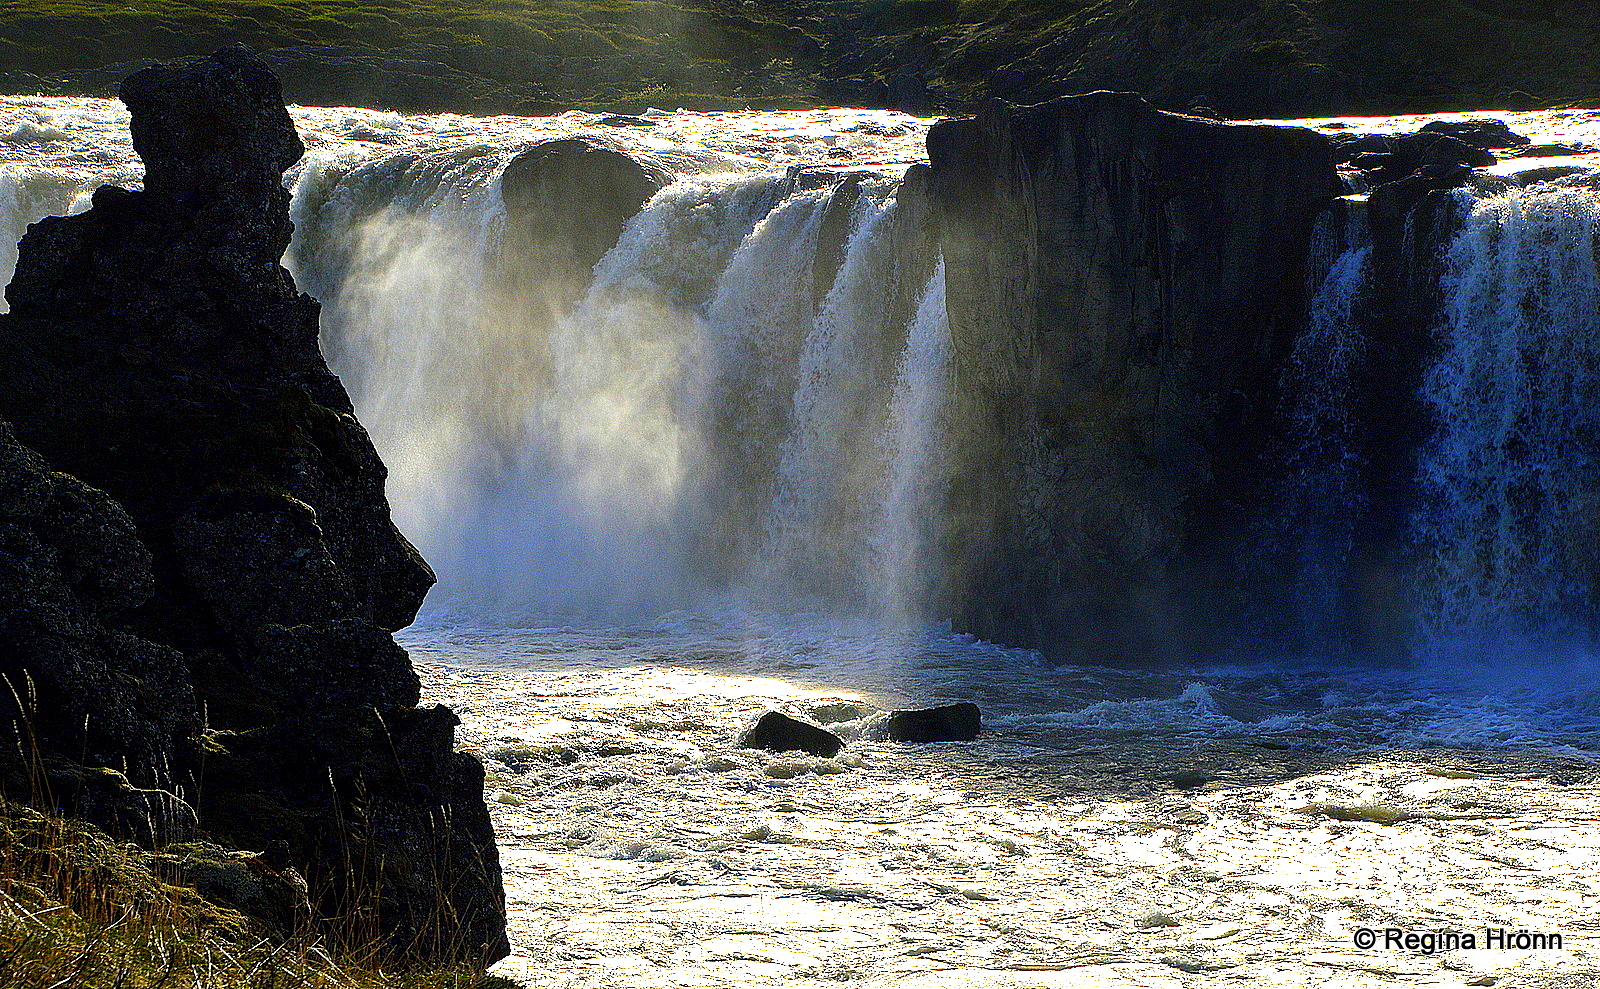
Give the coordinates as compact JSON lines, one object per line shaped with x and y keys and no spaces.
{"x":216,"y":569}
{"x":106,"y":710}
{"x":1122,"y":286}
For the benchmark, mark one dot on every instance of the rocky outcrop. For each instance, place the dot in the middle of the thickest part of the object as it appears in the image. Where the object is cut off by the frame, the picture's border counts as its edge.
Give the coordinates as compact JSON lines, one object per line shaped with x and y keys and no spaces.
{"x":104,"y":714}
{"x":777,"y":732}
{"x":220,"y":565}
{"x":1122,"y":285}
{"x":566,"y":204}
{"x":1384,"y":158}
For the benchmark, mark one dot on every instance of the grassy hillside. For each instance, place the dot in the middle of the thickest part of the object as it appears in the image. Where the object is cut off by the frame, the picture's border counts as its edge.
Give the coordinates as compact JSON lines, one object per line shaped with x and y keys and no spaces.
{"x":515,"y":55}
{"x":1238,"y":57}
{"x":1241,"y":57}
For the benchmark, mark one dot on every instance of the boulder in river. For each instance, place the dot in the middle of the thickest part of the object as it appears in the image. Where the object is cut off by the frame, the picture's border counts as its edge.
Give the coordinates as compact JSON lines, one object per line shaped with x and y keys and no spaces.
{"x":947,"y":723}
{"x":777,"y":732}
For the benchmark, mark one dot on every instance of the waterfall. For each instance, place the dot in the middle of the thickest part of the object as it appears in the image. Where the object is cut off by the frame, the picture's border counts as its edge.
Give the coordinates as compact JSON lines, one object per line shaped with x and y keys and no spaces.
{"x":833,"y":458}
{"x":1321,"y":497}
{"x":1512,"y":523}
{"x":907,"y":543}
{"x":397,"y":249}
{"x":625,"y":436}
{"x":717,"y":415}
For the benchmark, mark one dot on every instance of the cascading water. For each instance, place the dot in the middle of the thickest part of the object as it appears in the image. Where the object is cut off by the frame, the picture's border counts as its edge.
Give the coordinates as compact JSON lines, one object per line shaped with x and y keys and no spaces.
{"x":695,"y":425}
{"x":1500,"y":539}
{"x":1512,"y":521}
{"x":750,"y":404}
{"x":395,"y":248}
{"x":908,"y":537}
{"x":626,"y":430}
{"x":832,"y":457}
{"x":1318,"y":497}
{"x":710,"y":418}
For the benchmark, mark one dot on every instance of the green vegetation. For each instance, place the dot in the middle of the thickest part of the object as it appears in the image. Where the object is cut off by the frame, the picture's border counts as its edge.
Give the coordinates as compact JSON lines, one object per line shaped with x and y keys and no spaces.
{"x":514,"y":55}
{"x":80,"y":910}
{"x":1239,"y":57}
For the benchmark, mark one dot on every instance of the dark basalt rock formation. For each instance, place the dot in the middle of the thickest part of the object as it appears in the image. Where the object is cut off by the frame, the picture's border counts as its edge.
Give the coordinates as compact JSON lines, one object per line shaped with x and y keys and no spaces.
{"x":103,"y":712}
{"x":567,"y":202}
{"x":777,"y":732}
{"x":1488,"y":133}
{"x":1437,"y":156}
{"x":1122,"y":286}
{"x":948,"y":723}
{"x":216,"y":581}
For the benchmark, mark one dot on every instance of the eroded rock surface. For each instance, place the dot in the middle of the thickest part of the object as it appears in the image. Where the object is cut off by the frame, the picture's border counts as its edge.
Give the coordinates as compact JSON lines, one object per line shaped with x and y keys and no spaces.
{"x":567,"y":202}
{"x":157,"y":351}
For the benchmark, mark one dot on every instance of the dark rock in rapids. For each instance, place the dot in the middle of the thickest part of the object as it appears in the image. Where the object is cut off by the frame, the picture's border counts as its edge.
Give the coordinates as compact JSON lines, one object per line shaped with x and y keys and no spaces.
{"x":1488,"y":133}
{"x":1190,"y":779}
{"x":1384,"y":158}
{"x":216,"y":566}
{"x":1347,"y":148}
{"x":1425,"y":151}
{"x":1545,"y":173}
{"x":777,"y":732}
{"x":1122,"y":287}
{"x":949,"y":723}
{"x":1553,"y":150}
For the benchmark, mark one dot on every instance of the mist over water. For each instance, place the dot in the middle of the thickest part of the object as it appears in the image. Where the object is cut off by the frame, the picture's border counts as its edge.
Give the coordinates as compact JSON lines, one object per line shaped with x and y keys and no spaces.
{"x":712,"y":418}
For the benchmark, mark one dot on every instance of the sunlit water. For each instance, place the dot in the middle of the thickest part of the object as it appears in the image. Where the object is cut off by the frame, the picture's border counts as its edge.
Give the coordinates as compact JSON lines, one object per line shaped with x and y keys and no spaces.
{"x":567,"y":471}
{"x":1108,"y":828}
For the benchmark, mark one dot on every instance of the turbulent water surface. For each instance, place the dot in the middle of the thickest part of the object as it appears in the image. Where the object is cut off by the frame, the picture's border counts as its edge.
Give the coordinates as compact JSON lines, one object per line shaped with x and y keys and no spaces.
{"x":709,"y":485}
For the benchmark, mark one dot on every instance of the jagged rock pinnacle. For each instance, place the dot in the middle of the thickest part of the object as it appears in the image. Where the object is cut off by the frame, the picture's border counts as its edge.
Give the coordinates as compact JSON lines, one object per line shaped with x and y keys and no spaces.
{"x":208,"y":124}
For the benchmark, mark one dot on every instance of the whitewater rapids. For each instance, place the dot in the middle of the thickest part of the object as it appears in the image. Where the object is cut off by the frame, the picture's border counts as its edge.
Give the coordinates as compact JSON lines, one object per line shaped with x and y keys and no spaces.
{"x":1108,"y":829}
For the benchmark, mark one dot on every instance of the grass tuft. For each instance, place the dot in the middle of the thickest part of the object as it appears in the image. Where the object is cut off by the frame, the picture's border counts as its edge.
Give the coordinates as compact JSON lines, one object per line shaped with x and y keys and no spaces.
{"x":80,"y":910}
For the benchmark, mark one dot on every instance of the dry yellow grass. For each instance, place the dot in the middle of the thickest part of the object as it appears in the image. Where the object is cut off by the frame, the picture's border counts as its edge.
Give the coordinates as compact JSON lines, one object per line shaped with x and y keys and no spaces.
{"x":79,"y":910}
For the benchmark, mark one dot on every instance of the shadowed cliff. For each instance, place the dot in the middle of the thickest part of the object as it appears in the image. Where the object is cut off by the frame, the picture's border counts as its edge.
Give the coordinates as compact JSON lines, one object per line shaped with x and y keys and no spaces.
{"x":207,"y":573}
{"x":1123,"y":285}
